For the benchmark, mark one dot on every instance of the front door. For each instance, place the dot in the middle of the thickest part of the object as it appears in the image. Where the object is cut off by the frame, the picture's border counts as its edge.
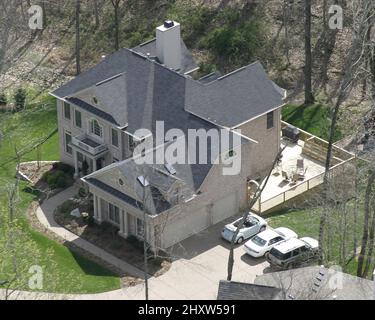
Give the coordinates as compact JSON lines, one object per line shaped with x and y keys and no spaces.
{"x":99,"y":163}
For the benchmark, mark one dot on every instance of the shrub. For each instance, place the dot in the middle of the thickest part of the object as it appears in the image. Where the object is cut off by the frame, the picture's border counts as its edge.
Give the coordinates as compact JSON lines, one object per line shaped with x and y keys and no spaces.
{"x":61,"y":182}
{"x":3,"y":99}
{"x":20,"y":98}
{"x":56,"y":179}
{"x":67,"y":207}
{"x":239,"y":44}
{"x":82,"y":192}
{"x":63,"y":167}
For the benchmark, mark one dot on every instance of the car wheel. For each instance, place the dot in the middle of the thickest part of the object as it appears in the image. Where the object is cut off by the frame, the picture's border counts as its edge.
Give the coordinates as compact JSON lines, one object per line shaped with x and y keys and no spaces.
{"x":240,"y":240}
{"x":262,"y":229}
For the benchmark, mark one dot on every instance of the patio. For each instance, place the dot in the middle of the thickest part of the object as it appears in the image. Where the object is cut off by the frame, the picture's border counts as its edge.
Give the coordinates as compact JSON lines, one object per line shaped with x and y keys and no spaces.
{"x":309,"y":149}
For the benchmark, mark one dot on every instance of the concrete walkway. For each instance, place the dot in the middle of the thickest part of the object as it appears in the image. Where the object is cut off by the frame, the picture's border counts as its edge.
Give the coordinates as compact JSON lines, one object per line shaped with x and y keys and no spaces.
{"x":201,"y":263}
{"x":45,"y":214}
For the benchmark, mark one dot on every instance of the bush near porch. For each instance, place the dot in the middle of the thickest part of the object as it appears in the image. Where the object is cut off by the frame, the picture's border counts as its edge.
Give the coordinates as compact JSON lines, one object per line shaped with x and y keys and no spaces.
{"x":106,"y":236}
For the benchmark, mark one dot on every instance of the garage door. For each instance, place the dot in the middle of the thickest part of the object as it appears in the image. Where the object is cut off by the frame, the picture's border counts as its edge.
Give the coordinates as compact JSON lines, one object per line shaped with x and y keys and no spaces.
{"x":224,"y":208}
{"x":187,"y":225}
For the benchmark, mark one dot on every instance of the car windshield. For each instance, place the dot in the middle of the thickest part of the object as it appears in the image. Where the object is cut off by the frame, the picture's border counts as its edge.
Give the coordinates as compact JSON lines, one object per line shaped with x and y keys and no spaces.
{"x":279,"y":255}
{"x":249,"y":222}
{"x":259,"y":241}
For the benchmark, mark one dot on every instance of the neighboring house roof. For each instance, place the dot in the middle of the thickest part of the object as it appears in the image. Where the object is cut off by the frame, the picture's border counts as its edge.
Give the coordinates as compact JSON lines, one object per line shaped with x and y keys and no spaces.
{"x":232,"y":290}
{"x":188,"y":64}
{"x":317,"y":283}
{"x":234,"y":98}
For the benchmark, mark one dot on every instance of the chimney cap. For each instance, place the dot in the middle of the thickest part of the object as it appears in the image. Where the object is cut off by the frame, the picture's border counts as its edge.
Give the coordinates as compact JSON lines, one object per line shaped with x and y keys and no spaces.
{"x":168,"y":23}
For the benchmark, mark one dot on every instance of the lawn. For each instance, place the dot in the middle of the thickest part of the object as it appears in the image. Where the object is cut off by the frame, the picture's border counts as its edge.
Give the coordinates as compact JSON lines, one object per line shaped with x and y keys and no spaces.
{"x":73,"y":273}
{"x":314,"y":119}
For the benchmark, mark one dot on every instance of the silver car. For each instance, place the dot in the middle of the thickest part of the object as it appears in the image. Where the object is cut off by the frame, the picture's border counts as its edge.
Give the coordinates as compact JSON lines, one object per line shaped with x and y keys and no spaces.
{"x":251,"y":226}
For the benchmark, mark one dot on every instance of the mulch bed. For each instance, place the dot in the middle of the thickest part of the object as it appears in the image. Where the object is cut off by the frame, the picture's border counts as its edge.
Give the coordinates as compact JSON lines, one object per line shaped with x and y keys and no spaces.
{"x":105,"y":236}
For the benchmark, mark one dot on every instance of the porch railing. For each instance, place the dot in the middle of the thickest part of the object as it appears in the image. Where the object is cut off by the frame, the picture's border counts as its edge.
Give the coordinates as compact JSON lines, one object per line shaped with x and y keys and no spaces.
{"x":340,"y":158}
{"x":78,"y":141}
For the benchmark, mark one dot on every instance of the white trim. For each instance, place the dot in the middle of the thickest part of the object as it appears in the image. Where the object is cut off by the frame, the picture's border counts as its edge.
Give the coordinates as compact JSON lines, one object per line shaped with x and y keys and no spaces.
{"x":191,"y":71}
{"x":101,"y":137}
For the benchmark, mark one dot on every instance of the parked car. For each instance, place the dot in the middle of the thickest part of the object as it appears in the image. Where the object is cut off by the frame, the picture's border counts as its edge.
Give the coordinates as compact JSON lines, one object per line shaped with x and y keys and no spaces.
{"x":251,"y":226}
{"x":293,"y":252}
{"x":263,"y":242}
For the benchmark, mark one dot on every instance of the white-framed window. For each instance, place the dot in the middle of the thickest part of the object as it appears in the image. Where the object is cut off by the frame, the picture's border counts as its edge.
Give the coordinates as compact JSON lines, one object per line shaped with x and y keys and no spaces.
{"x":113,"y":213}
{"x":78,"y":118}
{"x":67,"y":114}
{"x":68,"y":140}
{"x":140,"y":228}
{"x":115,"y":139}
{"x":96,"y":128}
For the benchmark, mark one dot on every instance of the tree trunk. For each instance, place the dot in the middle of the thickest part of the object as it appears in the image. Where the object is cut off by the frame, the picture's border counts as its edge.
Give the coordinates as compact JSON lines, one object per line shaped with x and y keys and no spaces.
{"x":116,"y":4}
{"x":309,"y":98}
{"x":370,"y":245}
{"x":78,"y":40}
{"x":96,"y":12}
{"x":365,"y":234}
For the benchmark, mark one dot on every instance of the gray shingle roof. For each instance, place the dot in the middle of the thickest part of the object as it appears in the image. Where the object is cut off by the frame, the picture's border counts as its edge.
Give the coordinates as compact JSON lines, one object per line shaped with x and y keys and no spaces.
{"x":96,"y":111}
{"x":299,"y":283}
{"x":232,"y":290}
{"x":187,"y":62}
{"x":234,"y":98}
{"x":156,"y":203}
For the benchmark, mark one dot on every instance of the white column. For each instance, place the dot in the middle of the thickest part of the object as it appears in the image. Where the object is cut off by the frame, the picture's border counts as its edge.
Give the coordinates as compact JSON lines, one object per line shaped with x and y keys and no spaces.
{"x":99,"y":210}
{"x":94,"y":164}
{"x":95,"y":207}
{"x":75,"y":159}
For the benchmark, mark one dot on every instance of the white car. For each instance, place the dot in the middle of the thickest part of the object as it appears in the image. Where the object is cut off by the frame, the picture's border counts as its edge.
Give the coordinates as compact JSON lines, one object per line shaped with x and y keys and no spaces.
{"x":266,"y":240}
{"x":252,"y":225}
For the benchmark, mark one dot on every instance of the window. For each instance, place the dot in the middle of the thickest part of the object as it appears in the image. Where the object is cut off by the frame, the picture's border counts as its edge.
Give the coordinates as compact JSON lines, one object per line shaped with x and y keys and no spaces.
{"x":68,"y":140}
{"x":80,"y":157}
{"x":78,"y":118}
{"x":67,"y":110}
{"x":270,"y":123}
{"x":113,"y":213}
{"x":131,"y":143}
{"x":115,"y":137}
{"x":96,"y":128}
{"x":140,"y":228}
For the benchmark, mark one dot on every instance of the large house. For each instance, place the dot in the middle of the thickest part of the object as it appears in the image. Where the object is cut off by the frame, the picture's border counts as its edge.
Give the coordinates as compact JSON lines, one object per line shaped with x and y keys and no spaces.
{"x":102,"y":109}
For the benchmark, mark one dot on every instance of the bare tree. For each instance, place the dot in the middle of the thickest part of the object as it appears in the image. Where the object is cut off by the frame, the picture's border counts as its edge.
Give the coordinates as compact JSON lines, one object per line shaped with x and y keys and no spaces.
{"x":78,"y":38}
{"x":309,"y":97}
{"x":116,"y":4}
{"x":350,"y":72}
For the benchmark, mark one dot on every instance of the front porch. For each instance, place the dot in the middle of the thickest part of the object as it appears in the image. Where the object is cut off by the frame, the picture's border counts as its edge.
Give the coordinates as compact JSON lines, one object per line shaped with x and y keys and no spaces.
{"x":88,"y":155}
{"x":309,"y":150}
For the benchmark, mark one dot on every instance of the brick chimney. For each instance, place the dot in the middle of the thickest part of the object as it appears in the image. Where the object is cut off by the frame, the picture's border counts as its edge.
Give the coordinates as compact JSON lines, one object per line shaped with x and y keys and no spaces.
{"x":168,"y":44}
